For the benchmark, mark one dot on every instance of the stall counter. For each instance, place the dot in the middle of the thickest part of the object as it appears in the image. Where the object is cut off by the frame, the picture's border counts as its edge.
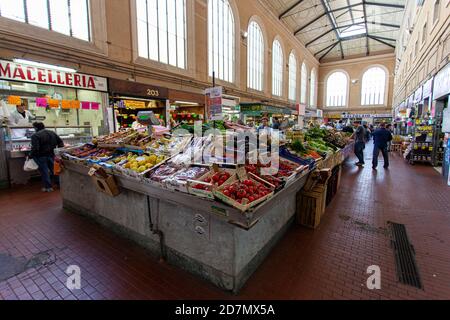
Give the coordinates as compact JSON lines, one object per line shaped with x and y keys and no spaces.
{"x":204,"y":237}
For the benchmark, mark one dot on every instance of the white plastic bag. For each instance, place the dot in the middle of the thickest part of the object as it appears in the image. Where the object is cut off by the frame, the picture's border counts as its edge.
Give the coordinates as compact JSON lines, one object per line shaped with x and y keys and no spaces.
{"x":30,"y":165}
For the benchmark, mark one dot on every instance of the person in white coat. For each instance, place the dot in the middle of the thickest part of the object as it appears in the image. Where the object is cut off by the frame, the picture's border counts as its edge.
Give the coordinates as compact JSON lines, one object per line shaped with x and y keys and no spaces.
{"x":20,"y":118}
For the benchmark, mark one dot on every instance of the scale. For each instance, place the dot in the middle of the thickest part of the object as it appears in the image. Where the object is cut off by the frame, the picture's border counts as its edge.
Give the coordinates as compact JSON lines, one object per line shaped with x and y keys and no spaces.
{"x":148,"y":118}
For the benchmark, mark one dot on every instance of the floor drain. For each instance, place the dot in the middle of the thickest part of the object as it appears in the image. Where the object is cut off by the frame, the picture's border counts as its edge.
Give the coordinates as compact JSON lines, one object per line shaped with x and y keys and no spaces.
{"x":405,"y":260}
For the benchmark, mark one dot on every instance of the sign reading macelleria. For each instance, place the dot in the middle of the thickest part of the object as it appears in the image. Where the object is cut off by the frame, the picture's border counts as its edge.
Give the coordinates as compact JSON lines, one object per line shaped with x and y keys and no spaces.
{"x":25,"y":73}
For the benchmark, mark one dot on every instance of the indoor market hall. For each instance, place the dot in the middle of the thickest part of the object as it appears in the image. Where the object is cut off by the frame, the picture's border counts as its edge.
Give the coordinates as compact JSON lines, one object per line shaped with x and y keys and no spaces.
{"x":222,"y":157}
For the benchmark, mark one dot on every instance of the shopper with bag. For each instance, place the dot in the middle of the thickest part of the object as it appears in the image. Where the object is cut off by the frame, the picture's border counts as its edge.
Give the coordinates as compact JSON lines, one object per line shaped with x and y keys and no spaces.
{"x":43,"y":145}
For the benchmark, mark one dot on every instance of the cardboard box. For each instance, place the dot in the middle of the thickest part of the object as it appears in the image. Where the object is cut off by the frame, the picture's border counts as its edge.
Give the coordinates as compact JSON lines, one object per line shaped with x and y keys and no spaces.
{"x":107,"y":186}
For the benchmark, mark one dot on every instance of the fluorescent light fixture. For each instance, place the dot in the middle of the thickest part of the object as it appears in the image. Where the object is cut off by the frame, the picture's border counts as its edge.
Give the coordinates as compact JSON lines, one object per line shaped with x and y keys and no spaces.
{"x":44,"y":65}
{"x":187,"y":103}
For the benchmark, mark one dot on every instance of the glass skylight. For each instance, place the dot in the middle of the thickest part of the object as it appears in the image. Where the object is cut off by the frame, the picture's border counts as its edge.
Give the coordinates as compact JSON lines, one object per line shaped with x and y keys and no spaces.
{"x":352,"y":31}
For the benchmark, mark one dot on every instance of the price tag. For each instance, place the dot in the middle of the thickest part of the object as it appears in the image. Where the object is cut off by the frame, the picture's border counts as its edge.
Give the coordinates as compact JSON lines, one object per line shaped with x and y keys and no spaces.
{"x":215,"y":167}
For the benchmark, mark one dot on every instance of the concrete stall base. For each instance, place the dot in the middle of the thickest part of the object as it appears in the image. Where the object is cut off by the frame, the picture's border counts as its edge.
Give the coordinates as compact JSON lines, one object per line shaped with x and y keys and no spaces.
{"x":185,"y":230}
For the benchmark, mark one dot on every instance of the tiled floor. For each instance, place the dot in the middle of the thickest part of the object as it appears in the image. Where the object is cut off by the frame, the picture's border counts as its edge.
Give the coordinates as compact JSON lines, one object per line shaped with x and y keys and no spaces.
{"x":329,"y":263}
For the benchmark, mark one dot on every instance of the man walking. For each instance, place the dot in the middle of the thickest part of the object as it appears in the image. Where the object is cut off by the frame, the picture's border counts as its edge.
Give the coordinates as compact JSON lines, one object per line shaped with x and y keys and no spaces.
{"x":43,"y":145}
{"x":381,"y":138}
{"x":360,"y":144}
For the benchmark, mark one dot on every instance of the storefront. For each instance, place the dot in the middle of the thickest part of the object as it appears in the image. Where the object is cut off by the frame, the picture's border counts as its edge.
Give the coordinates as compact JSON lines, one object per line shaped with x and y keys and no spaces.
{"x":127,"y":98}
{"x":186,"y":107}
{"x":253,"y":112}
{"x":440,"y":113}
{"x":70,"y":103}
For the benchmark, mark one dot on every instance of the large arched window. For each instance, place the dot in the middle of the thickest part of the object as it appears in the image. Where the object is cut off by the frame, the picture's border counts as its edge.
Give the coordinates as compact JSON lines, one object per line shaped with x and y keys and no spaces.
{"x":304,"y":84}
{"x":312,"y":92}
{"x":221,"y":45}
{"x":277,"y":69}
{"x":255,"y":57}
{"x":292,"y":77}
{"x":162,"y":31}
{"x":337,"y":87}
{"x":373,"y":87}
{"x":67,"y":17}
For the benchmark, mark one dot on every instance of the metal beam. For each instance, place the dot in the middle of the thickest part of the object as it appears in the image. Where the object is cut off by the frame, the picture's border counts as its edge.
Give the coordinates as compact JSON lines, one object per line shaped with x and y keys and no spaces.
{"x":381,"y":41}
{"x":332,"y":23}
{"x":327,"y":32}
{"x":326,"y":53}
{"x":367,"y":29}
{"x":383,"y":38}
{"x":389,"y":5}
{"x":324,"y":49}
{"x":290,"y":9}
{"x":384,"y":24}
{"x":351,"y":12}
{"x":324,"y":14}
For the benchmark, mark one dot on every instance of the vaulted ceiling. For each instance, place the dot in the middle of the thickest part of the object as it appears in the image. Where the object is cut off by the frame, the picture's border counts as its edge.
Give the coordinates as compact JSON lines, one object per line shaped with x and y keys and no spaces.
{"x":339,"y":29}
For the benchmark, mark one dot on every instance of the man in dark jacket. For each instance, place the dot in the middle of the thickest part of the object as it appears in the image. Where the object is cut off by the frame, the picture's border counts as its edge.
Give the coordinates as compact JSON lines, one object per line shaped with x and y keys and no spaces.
{"x":360,"y":143}
{"x":43,"y":144}
{"x":381,"y":138}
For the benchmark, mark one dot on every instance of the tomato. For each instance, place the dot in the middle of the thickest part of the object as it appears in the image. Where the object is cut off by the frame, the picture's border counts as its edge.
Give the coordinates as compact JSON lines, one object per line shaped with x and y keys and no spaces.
{"x":227,"y":193}
{"x":208,"y":179}
{"x":216,"y":178}
{"x":251,"y":199}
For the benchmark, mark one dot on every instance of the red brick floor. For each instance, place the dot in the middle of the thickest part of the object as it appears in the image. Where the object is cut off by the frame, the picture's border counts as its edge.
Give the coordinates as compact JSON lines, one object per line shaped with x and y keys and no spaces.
{"x":328,"y":263}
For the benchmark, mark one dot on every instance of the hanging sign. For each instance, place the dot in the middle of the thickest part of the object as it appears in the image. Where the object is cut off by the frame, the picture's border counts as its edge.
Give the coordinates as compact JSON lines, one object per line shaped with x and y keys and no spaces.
{"x":214,"y":103}
{"x":25,"y":73}
{"x":14,"y":100}
{"x":135,"y":104}
{"x":41,"y":102}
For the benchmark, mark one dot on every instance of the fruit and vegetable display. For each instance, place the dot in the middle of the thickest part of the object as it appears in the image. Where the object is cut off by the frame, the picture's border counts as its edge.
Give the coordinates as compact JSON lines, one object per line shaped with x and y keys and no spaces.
{"x":140,"y":163}
{"x":139,"y":140}
{"x":216,"y":179}
{"x":116,"y":138}
{"x":247,"y":191}
{"x":174,"y":145}
{"x":199,"y":165}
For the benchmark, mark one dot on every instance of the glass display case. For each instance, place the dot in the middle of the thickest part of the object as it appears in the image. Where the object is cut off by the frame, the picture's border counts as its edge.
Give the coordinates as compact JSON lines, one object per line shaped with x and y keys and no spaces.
{"x":17,"y":140}
{"x":15,"y":144}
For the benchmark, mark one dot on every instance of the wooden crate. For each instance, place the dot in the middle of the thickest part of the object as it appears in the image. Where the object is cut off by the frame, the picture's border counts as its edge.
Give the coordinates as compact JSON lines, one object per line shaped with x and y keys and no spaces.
{"x":311,"y":206}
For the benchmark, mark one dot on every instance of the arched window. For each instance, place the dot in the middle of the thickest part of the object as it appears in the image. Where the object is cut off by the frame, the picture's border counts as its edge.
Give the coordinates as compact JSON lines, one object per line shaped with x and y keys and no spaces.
{"x":312,"y":92}
{"x":337,"y":87}
{"x":162,"y":31}
{"x":221,"y":45}
{"x":373,"y":86}
{"x":67,"y":17}
{"x":304,"y":84}
{"x":255,"y":57}
{"x":292,"y":77}
{"x":277,"y":69}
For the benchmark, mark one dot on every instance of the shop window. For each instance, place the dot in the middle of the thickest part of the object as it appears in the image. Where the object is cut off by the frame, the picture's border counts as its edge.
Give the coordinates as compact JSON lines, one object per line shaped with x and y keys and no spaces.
{"x":221,"y":31}
{"x":337,"y":87}
{"x":292,"y":77}
{"x":277,"y":69}
{"x":255,"y":57}
{"x":373,"y":86}
{"x":161,"y":28}
{"x":304,"y":84}
{"x":69,"y":17}
{"x":313,"y":84}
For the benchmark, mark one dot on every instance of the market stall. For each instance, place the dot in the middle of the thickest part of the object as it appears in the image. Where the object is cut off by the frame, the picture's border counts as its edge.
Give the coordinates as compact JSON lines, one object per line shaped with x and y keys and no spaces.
{"x":70,"y":103}
{"x":127,"y":98}
{"x":186,"y":107}
{"x":253,"y":112}
{"x":177,"y":196}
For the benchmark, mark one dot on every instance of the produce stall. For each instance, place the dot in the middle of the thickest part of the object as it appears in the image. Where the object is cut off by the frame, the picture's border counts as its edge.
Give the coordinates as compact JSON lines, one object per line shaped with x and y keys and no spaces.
{"x":211,"y":217}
